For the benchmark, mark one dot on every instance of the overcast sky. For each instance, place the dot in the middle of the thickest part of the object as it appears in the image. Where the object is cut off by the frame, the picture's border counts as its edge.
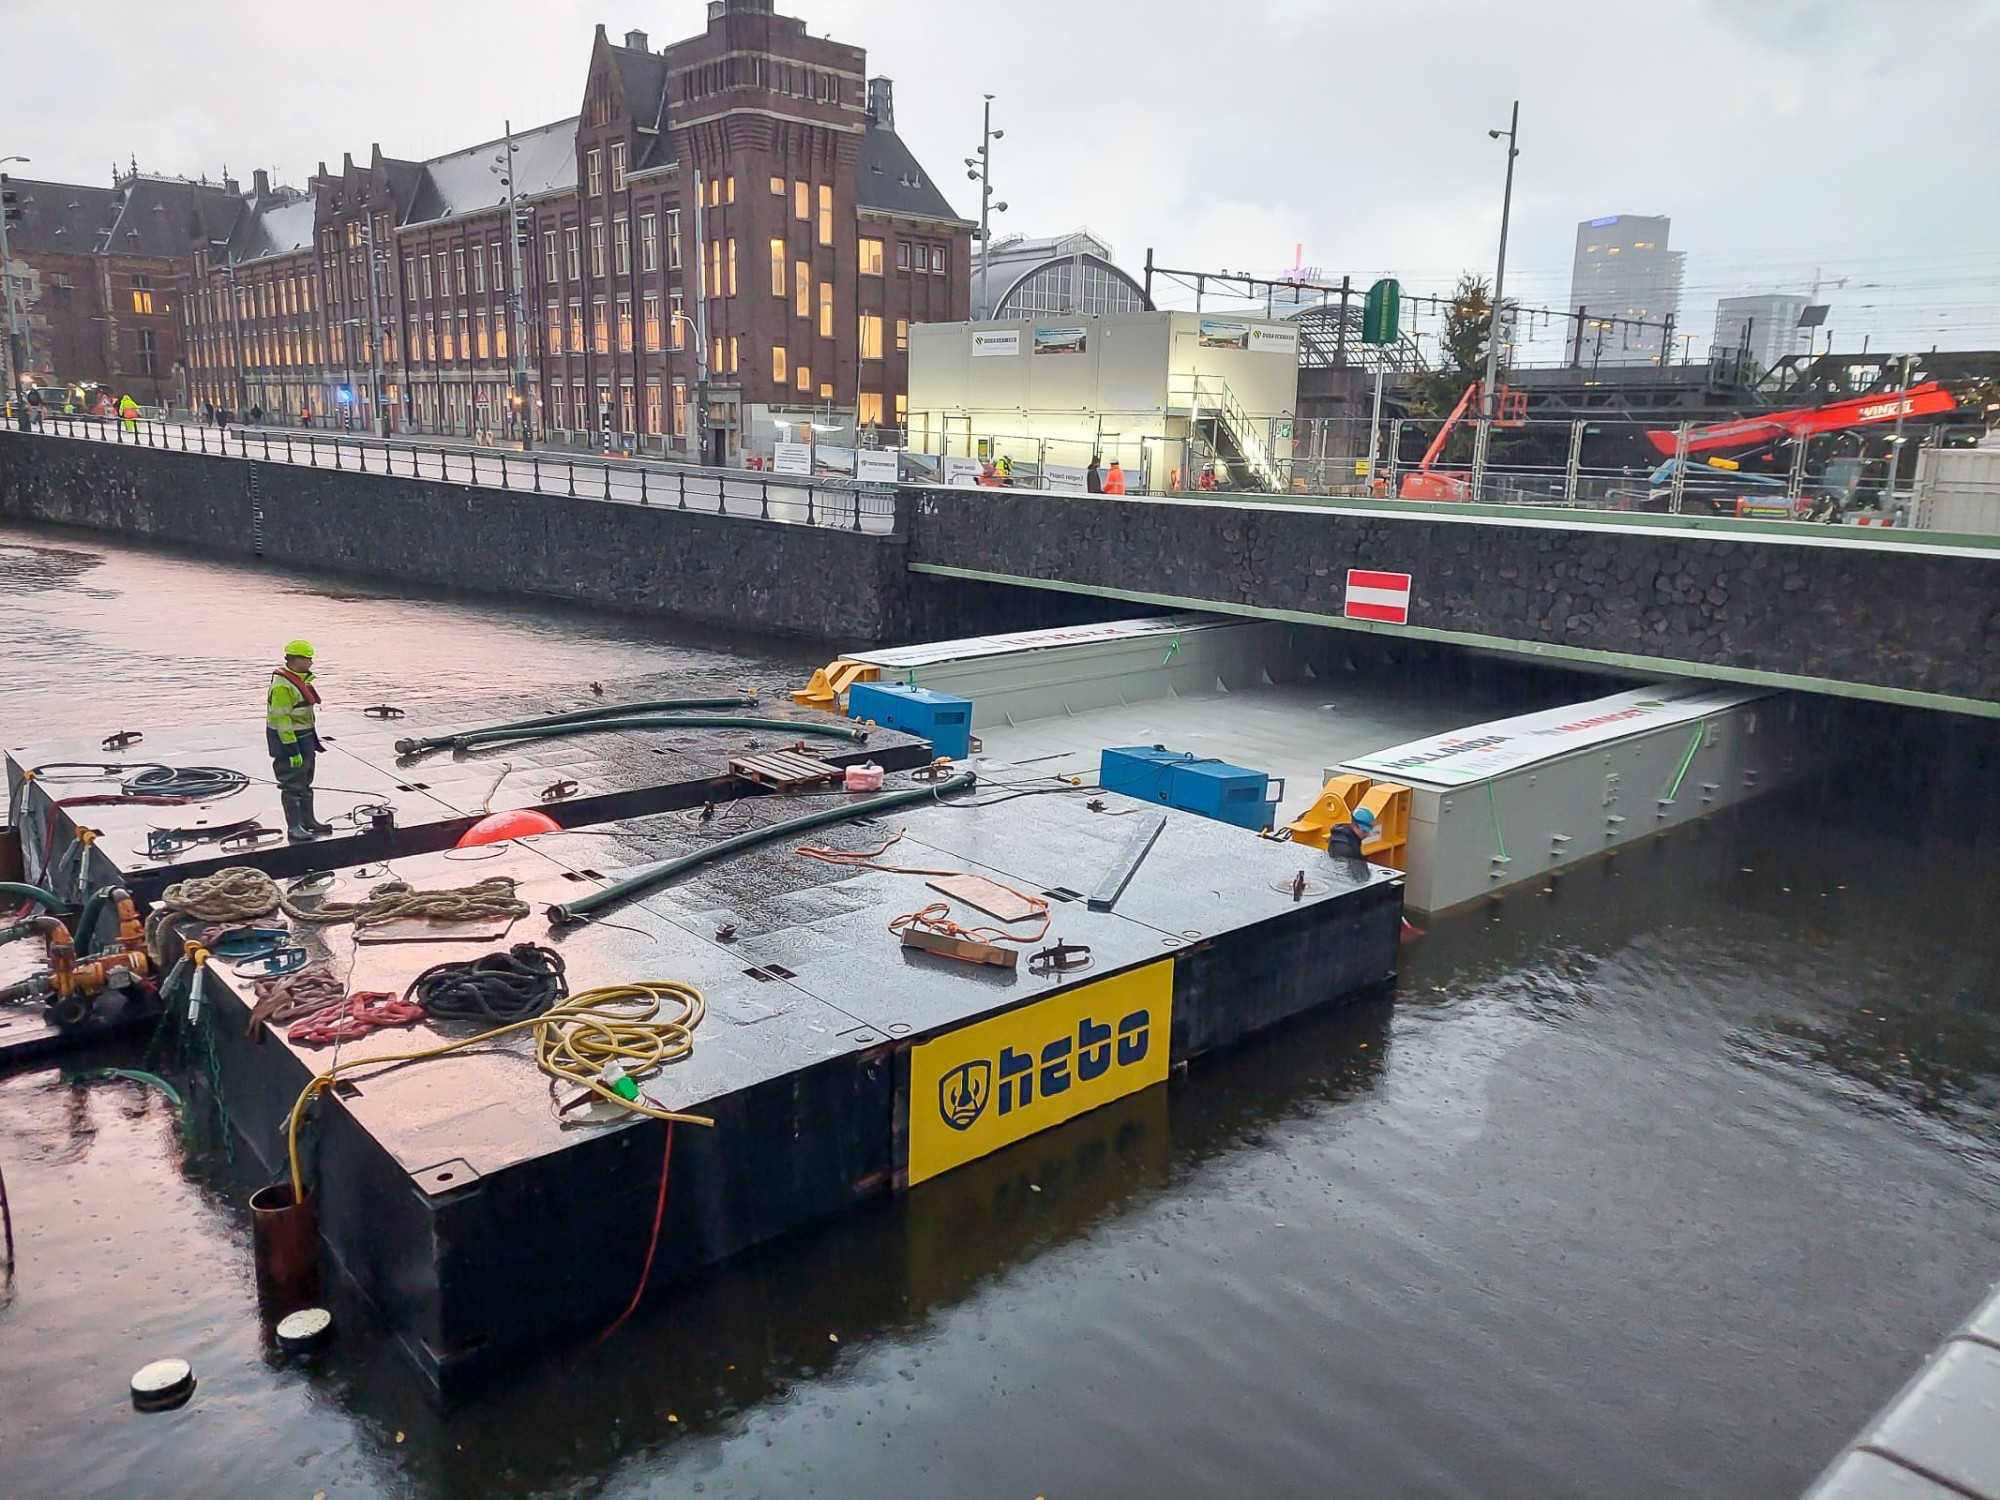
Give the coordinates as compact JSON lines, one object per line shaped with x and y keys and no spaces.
{"x":1855,"y":137}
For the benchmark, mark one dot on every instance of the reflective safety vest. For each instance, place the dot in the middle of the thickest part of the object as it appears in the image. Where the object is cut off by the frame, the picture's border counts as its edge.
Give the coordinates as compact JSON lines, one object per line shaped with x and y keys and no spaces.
{"x":288,"y":711}
{"x":1114,"y":482}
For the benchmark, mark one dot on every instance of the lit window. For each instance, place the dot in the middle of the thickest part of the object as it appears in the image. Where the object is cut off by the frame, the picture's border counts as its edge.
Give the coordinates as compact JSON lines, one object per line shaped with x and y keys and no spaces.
{"x":825,"y":215}
{"x":805,"y":380}
{"x":871,"y":340}
{"x":555,"y":328}
{"x":777,"y":268}
{"x":777,"y":187}
{"x":600,"y":329}
{"x":650,"y":306}
{"x":576,"y":325}
{"x":825,"y":392}
{"x":778,"y":364}
{"x":902,"y":333}
{"x":802,"y":202}
{"x":715,"y":268}
{"x":870,"y":410}
{"x":734,"y":349}
{"x":871,"y":257}
{"x":804,"y":282}
{"x":655,"y":414}
{"x":715,"y":356}
{"x":729,"y":189}
{"x":624,"y":325}
{"x":679,"y":320}
{"x":732,"y":266}
{"x":902,"y":411}
{"x":479,"y":329}
{"x":142,"y":301}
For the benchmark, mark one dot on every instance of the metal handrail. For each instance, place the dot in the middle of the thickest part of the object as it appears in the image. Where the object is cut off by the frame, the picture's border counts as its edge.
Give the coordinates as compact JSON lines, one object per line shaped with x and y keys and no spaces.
{"x":1216,"y":395}
{"x":845,"y":504}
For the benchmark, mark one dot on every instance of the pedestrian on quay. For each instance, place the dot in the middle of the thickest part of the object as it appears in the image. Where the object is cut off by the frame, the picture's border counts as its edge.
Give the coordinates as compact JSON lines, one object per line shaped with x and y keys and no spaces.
{"x":128,"y":413}
{"x":305,"y":415}
{"x":1093,"y":479}
{"x":1114,"y":479}
{"x":256,"y":415}
{"x":292,"y":737}
{"x":208,"y":413}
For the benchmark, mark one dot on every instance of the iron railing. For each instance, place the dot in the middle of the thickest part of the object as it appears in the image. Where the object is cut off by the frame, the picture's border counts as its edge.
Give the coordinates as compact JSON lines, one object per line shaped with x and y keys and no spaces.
{"x":846,"y":505}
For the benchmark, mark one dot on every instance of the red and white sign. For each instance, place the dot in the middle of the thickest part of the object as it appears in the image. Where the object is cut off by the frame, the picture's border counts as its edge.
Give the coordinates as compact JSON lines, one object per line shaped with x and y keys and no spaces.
{"x":1378,"y":596}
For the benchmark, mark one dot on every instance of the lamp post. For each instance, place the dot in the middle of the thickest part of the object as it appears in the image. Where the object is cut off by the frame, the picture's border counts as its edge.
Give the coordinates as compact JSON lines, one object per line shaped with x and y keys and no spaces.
{"x":1489,"y":395}
{"x":16,"y":343}
{"x":980,"y":170}
{"x":517,"y":298}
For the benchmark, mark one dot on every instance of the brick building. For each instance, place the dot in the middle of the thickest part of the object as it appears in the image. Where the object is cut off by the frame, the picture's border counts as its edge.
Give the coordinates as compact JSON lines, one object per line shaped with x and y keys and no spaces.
{"x":734,"y":214}
{"x":98,"y":274}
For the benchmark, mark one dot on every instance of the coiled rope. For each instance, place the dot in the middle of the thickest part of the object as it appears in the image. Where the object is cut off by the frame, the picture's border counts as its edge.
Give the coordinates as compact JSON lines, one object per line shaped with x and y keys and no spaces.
{"x":395,"y":900}
{"x":498,"y":989}
{"x":237,"y":894}
{"x":573,"y":1043}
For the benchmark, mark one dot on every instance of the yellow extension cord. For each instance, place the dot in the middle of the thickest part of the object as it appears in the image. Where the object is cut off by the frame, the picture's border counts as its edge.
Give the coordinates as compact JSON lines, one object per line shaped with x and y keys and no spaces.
{"x":574,"y":1039}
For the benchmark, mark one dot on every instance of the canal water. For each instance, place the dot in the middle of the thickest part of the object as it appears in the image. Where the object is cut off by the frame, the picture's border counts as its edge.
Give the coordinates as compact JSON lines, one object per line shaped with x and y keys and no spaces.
{"x":1654,"y":1185}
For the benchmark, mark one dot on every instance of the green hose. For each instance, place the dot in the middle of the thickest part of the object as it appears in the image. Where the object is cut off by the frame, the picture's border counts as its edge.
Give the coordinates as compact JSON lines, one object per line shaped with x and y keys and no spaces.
{"x":130,"y":1075}
{"x":651,"y":879}
{"x":86,"y":921}
{"x":1700,"y":730}
{"x":14,"y":891}
{"x":829,"y":730}
{"x":579,"y":716}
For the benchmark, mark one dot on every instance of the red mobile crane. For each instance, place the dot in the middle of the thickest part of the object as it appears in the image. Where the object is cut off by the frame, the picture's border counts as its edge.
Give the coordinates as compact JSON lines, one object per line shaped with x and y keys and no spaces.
{"x":1927,"y":400}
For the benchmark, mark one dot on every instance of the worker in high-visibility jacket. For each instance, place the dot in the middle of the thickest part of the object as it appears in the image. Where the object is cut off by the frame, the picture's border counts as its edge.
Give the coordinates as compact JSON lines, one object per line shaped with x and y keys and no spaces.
{"x":128,"y":413}
{"x":290,"y":717}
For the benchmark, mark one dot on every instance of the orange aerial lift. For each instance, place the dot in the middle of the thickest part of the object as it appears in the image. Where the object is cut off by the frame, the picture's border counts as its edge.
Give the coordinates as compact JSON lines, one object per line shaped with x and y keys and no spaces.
{"x":1426,"y":482}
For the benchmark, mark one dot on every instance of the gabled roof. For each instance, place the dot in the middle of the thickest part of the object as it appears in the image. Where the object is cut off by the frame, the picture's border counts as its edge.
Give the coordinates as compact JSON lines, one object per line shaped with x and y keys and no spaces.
{"x":643,"y":77}
{"x":168,"y":217}
{"x":277,"y":226}
{"x":464,"y":182}
{"x":61,"y":218}
{"x":891,"y":182}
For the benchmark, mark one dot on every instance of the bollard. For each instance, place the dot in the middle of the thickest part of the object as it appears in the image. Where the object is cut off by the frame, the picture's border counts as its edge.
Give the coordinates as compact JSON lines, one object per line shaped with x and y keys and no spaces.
{"x":766,"y":486}
{"x":642,"y":486}
{"x":284,"y":1248}
{"x":684,"y":489}
{"x":572,"y":474}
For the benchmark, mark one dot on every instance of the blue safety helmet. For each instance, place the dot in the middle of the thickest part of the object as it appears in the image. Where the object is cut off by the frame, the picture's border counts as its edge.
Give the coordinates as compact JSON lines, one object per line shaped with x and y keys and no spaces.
{"x":1363,"y":818}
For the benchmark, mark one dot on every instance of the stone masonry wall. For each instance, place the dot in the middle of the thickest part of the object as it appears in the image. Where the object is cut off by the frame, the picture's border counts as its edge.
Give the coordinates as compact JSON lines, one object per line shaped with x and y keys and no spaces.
{"x":1878,"y":615}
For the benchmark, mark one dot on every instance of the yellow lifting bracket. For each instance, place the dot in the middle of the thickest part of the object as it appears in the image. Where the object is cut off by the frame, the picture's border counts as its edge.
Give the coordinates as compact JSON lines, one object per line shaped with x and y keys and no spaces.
{"x":831,"y":682}
{"x":1337,"y":803}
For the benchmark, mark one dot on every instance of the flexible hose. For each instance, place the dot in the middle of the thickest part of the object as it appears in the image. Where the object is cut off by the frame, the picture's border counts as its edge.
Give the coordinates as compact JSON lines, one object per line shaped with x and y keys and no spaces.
{"x":580,"y":716}
{"x":652,"y":878}
{"x":185,"y":783}
{"x":13,"y":890}
{"x":573,"y":1042}
{"x":788,"y":727}
{"x":496,"y":989}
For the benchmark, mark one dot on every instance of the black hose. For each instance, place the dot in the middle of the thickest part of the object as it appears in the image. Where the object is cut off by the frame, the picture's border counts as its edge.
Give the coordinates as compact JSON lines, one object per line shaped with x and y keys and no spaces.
{"x":798,"y":728}
{"x":186,"y":783}
{"x":496,"y":990}
{"x":579,"y":716}
{"x":655,"y":876}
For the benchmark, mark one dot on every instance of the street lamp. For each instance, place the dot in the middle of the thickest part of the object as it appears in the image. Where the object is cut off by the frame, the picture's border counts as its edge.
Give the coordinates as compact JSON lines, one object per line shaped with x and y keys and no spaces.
{"x":980,"y":170}
{"x":16,"y":344}
{"x":503,"y":167}
{"x":1489,"y":394}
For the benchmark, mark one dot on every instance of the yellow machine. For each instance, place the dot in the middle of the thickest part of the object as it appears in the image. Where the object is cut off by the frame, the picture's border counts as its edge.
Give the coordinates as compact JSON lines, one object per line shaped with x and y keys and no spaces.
{"x":832,"y":681}
{"x":1337,"y":803}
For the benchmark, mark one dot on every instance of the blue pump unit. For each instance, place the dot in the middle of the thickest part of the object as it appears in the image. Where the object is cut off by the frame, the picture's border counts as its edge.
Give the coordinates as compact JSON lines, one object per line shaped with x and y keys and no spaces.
{"x":941,"y":718}
{"x":1213,"y":788}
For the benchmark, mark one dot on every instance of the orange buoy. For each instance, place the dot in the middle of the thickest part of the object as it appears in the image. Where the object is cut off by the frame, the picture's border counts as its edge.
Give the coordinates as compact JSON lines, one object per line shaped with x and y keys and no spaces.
{"x":503,"y":826}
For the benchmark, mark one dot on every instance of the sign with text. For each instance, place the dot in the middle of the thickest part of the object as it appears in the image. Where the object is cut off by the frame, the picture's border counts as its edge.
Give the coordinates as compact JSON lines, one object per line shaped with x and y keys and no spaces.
{"x":1217,"y":334}
{"x":995,"y":1082}
{"x":991,"y":344}
{"x":875,"y":466}
{"x":962,"y":473}
{"x":1061,"y":340}
{"x":1065,"y":478}
{"x":1274,"y":340}
{"x":792,"y":458}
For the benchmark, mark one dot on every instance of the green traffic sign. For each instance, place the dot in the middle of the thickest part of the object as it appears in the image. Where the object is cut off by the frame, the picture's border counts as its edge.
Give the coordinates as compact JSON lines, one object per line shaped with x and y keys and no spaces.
{"x":1382,"y":314}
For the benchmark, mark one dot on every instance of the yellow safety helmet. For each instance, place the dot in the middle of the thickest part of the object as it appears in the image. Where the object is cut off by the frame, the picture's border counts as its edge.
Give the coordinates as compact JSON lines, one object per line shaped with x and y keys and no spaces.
{"x":300,"y":648}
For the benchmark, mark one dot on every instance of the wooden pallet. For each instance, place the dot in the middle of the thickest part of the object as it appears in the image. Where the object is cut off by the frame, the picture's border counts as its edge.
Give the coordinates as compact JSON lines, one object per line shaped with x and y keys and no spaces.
{"x":785,"y":771}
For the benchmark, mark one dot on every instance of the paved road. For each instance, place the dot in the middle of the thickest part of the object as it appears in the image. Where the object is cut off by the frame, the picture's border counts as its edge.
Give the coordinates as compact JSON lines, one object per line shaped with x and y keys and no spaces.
{"x":619,"y":481}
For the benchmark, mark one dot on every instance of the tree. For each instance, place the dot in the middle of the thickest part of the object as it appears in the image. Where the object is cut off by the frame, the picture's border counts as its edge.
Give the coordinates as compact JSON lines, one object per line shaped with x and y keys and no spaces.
{"x":1468,"y":321}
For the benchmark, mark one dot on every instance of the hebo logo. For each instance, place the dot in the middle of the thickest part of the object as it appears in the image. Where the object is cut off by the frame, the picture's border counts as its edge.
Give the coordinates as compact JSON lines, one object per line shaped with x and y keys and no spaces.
{"x":987,"y":1085}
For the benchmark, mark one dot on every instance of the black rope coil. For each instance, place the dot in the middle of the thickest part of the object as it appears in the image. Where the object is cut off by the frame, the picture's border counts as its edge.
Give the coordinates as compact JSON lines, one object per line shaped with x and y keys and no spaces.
{"x":496,"y":990}
{"x":185,"y":783}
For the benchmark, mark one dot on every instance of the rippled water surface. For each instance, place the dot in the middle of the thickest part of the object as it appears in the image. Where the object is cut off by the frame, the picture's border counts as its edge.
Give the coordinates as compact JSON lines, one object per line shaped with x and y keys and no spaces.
{"x":1654,"y":1186}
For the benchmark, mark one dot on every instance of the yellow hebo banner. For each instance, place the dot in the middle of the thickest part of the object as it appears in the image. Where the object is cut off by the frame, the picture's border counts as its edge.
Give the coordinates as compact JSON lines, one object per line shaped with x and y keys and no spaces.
{"x":997,"y":1082}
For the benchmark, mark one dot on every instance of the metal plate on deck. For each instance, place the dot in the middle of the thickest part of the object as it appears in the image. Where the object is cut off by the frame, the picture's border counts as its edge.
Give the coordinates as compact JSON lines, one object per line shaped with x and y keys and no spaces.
{"x":996,"y":900}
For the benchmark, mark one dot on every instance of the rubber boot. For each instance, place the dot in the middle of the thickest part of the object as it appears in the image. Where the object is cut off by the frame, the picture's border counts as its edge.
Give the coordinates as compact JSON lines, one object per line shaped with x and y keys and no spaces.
{"x":298,"y":826}
{"x":306,"y":806}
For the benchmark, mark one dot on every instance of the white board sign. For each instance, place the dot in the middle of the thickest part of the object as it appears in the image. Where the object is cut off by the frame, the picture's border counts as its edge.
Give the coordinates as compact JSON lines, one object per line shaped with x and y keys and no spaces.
{"x":792,"y":458}
{"x":1269,"y":340}
{"x":962,"y":473}
{"x":1485,"y":750}
{"x":1063,"y":477}
{"x":875,"y":466}
{"x":990,"y":343}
